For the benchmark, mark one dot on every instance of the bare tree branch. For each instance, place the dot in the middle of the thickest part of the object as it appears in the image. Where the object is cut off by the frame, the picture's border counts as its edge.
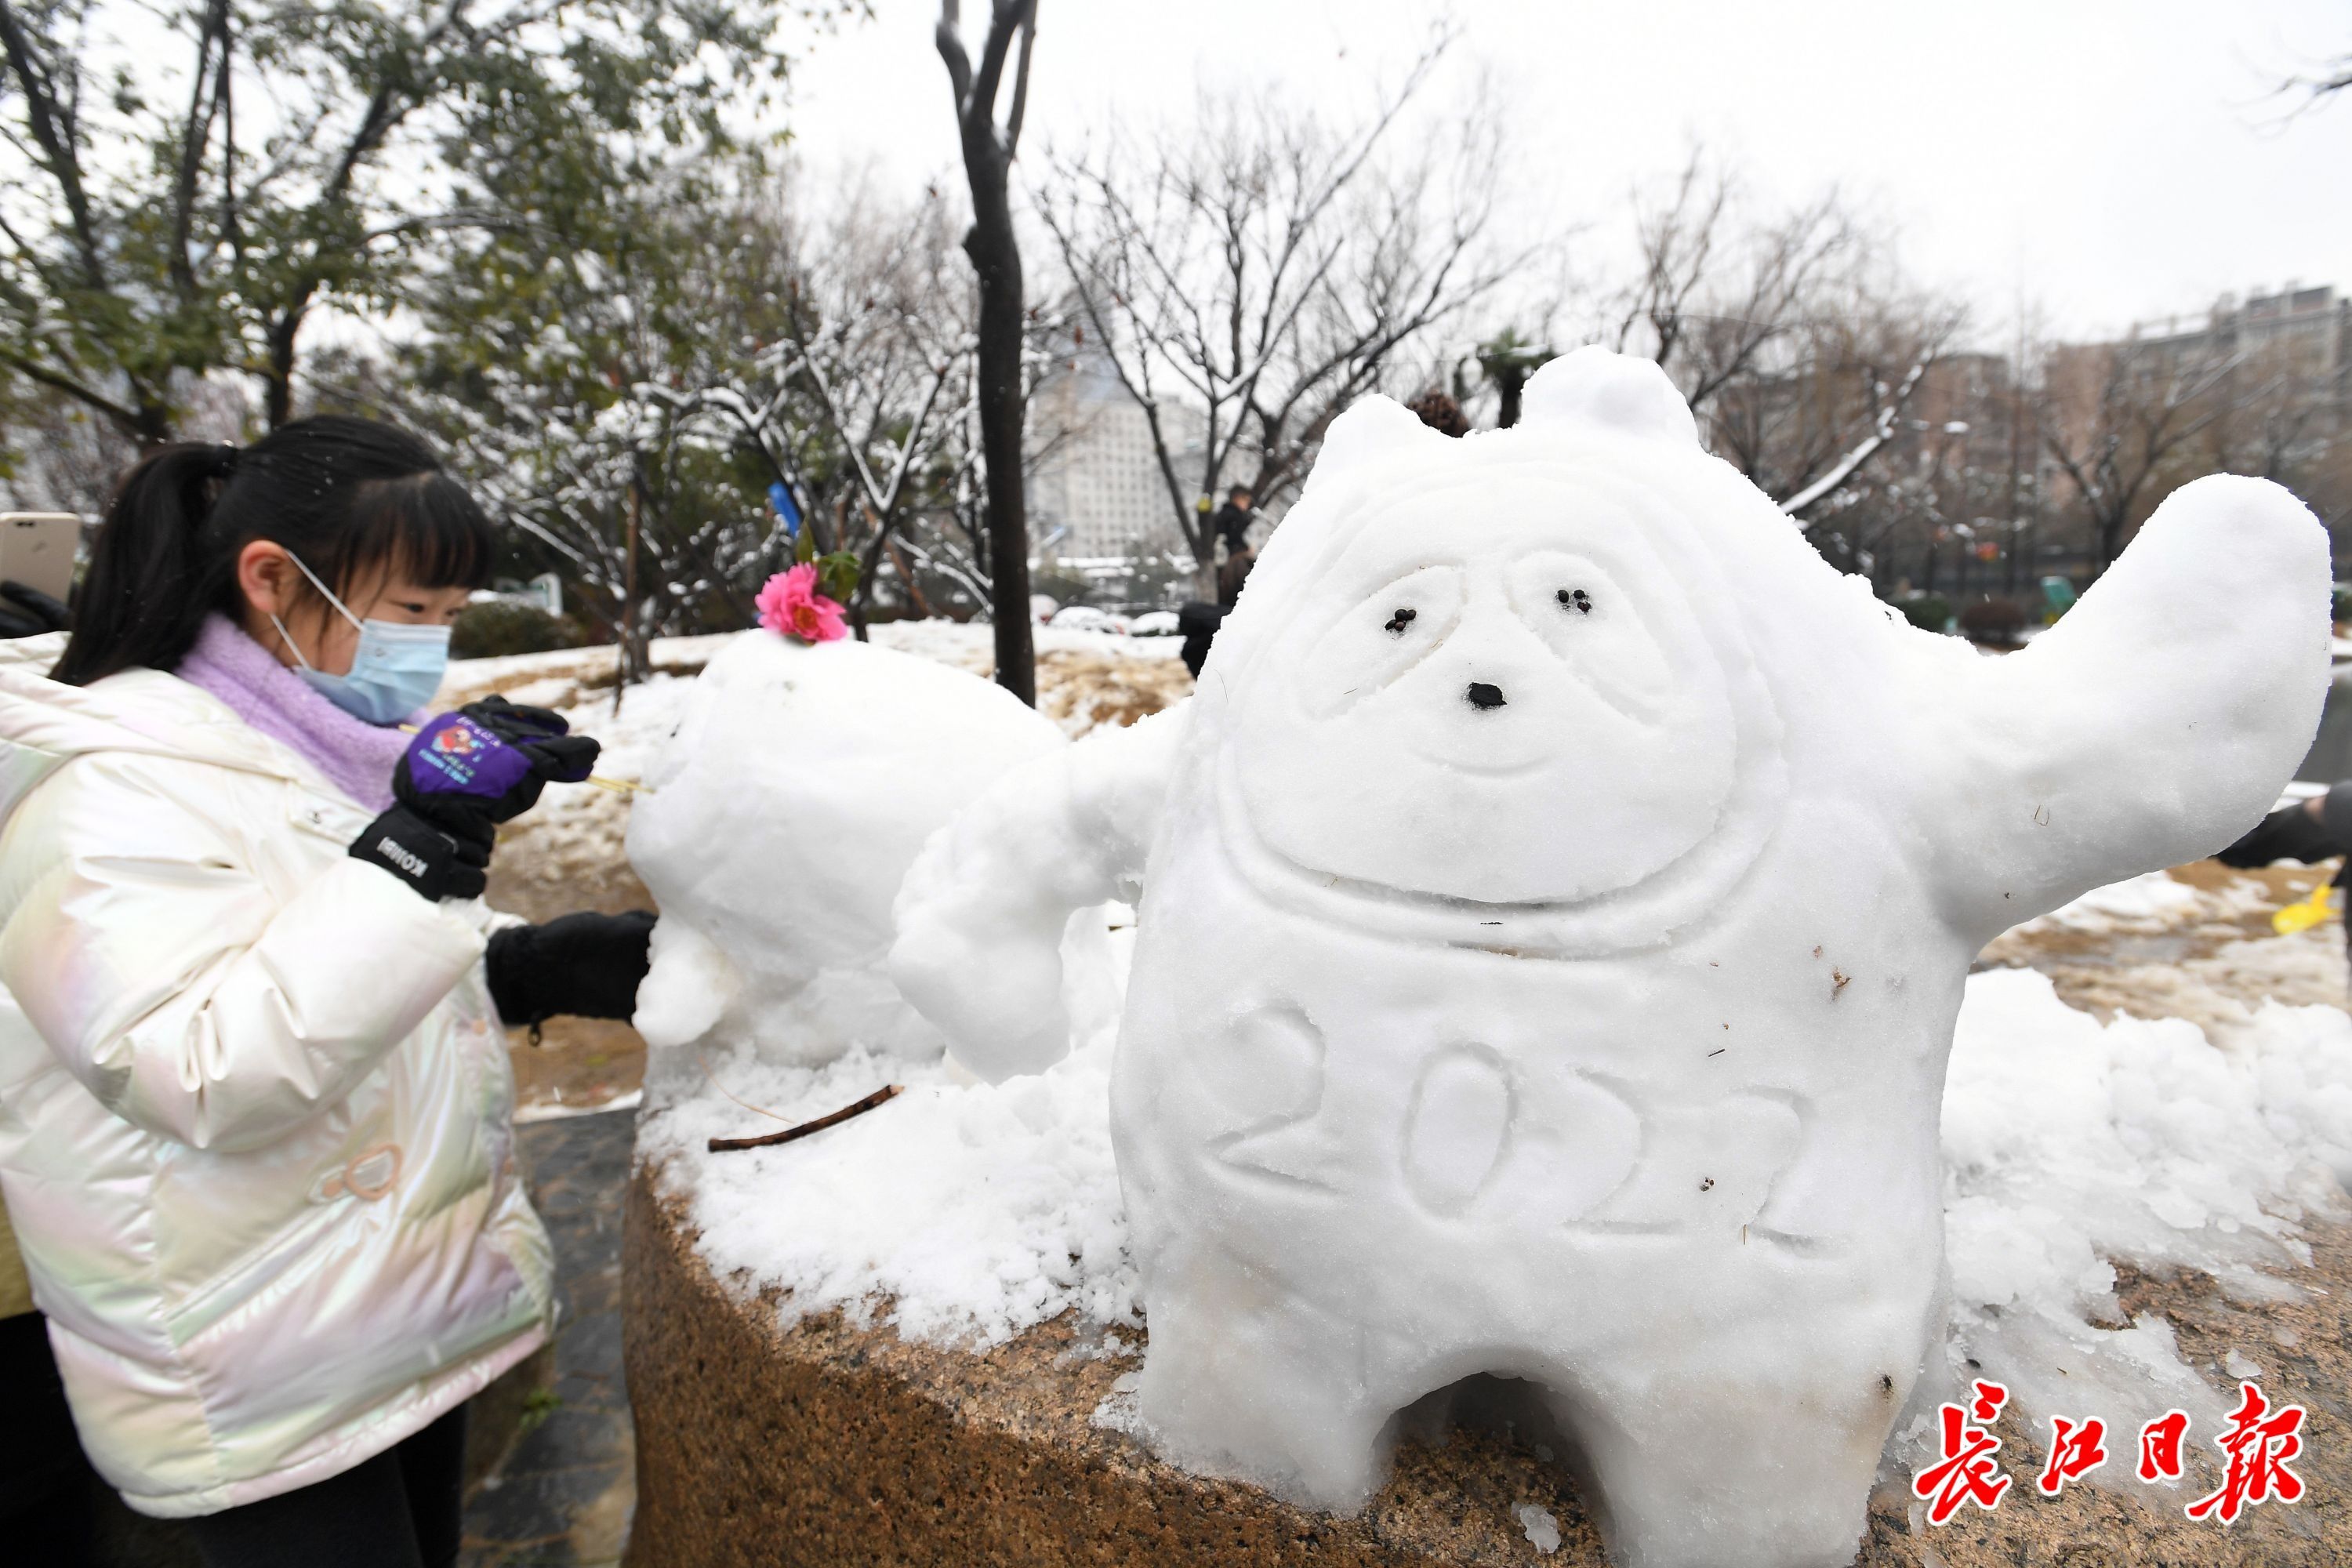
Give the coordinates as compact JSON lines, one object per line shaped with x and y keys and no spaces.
{"x":1882,"y":430}
{"x":1021,"y":84}
{"x":1245,"y":284}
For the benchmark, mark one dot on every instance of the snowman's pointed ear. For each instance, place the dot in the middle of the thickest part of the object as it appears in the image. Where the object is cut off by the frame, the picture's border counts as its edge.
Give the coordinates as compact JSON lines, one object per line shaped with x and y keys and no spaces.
{"x":1367,"y":429}
{"x":1624,"y":394}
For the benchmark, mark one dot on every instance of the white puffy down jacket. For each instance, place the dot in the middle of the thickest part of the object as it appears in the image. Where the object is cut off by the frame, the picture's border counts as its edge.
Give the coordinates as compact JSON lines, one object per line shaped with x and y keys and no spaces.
{"x":254,"y":1102}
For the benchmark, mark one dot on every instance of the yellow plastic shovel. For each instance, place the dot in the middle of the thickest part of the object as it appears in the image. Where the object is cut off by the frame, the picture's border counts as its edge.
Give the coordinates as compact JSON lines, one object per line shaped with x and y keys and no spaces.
{"x":2320,"y":907}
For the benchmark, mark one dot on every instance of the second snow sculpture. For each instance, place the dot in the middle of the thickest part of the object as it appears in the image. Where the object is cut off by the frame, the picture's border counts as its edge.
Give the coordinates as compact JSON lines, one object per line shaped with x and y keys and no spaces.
{"x":799,"y":784}
{"x":1555,"y":906}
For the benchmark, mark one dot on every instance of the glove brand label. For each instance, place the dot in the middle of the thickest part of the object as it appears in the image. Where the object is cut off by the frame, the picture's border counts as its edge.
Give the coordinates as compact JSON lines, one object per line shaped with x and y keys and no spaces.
{"x":407,"y":860}
{"x":454,"y":756}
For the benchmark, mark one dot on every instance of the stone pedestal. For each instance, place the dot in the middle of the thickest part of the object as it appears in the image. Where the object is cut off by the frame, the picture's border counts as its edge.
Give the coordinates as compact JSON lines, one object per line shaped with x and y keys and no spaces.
{"x":827,"y":1445}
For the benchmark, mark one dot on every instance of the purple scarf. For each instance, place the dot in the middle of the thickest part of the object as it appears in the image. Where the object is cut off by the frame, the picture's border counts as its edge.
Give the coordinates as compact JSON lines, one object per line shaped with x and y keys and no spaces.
{"x":357,"y":757}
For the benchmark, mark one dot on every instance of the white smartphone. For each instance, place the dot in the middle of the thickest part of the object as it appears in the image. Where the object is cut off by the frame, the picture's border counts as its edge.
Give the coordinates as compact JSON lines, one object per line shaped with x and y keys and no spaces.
{"x":36,"y":549}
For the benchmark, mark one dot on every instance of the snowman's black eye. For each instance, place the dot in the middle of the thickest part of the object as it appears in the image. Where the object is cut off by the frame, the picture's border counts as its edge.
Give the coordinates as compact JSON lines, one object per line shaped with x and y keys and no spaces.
{"x":1401,"y":619}
{"x":1575,"y":599}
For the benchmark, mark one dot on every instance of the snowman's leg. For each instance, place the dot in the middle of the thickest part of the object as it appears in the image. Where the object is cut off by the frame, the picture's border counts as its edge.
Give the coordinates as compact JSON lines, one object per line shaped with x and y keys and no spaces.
{"x":1703,"y":1469}
{"x":1242,"y":1379}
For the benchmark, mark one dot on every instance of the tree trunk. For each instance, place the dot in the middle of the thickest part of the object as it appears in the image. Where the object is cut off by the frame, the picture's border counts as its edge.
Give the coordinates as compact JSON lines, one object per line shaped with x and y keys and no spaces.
{"x":996,"y":257}
{"x":2111,"y":533}
{"x":278,"y":376}
{"x":631,"y":662}
{"x":995,"y":254}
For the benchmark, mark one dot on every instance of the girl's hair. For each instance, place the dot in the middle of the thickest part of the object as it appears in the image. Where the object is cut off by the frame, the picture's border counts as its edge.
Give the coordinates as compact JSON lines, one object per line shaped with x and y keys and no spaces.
{"x":352,"y":498}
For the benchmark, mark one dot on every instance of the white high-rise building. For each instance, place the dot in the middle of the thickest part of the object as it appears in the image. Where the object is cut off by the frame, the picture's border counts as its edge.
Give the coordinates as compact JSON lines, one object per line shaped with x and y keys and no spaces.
{"x":1096,"y":490}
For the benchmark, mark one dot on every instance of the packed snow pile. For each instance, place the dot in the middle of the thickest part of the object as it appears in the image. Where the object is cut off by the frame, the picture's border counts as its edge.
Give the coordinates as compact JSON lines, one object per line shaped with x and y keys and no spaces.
{"x":2067,"y":1144}
{"x":960,"y":1213}
{"x":776,"y":824}
{"x":1553,"y":927}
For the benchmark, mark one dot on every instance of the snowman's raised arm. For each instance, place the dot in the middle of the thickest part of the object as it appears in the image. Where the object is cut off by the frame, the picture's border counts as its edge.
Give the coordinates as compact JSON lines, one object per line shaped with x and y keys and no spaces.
{"x":983,"y":910}
{"x":2154,"y":724}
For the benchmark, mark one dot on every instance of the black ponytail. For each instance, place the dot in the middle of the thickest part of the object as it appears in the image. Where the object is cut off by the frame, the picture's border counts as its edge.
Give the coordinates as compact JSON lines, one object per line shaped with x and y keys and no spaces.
{"x":350,"y":497}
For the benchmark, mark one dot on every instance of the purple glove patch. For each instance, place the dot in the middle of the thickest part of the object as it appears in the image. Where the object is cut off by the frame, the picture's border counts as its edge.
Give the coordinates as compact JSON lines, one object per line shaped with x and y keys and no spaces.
{"x":454,"y":756}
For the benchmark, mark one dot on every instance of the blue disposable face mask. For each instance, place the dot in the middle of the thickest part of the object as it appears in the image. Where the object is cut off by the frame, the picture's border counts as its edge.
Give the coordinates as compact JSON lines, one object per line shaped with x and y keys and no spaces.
{"x":395,"y":670}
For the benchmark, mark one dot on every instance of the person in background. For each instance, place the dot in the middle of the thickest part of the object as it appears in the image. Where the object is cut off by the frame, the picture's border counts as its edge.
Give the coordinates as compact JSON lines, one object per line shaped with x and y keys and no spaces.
{"x":2311,"y":831}
{"x":1197,"y":620}
{"x":254,"y":1103}
{"x":1232,"y":575}
{"x":1233,"y":519}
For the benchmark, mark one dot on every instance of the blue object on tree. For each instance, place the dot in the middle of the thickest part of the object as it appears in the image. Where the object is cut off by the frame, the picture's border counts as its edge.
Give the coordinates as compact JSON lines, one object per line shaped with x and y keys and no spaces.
{"x":780,"y":496}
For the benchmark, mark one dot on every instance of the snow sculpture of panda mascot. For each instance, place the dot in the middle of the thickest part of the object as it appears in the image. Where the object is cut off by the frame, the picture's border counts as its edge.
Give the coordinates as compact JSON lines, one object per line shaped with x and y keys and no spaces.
{"x":1556,"y":903}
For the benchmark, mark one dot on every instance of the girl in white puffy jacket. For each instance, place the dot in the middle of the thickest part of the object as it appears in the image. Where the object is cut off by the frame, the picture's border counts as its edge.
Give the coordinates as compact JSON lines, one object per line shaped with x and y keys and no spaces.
{"x":254,"y":1105}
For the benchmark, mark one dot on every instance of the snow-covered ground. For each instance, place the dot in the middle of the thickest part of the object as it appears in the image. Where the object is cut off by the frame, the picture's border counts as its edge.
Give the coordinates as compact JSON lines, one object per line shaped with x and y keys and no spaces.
{"x":2195,"y":946}
{"x":1085,"y":679}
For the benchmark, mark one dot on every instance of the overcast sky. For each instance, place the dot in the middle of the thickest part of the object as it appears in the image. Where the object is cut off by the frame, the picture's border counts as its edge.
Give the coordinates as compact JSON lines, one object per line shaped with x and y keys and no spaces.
{"x":2114,"y":159}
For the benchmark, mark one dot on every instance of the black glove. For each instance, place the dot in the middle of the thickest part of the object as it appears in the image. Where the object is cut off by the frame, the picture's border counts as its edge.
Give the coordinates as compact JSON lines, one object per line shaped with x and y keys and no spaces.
{"x":437,"y":863}
{"x":465,"y":773}
{"x":28,"y":612}
{"x":486,"y":764}
{"x":516,"y":721}
{"x":586,"y":965}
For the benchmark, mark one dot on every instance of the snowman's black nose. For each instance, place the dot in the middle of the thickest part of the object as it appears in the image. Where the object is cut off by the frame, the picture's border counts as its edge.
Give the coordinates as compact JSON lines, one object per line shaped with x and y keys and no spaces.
{"x":1482,"y":696}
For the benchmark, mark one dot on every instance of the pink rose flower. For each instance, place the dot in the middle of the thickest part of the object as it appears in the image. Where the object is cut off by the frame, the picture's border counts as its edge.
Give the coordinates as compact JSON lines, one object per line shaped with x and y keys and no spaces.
{"x":790,"y":606}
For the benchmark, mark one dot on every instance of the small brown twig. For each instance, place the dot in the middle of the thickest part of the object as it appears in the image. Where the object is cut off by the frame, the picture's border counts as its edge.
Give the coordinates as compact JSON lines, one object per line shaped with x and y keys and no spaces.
{"x":882,"y":1096}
